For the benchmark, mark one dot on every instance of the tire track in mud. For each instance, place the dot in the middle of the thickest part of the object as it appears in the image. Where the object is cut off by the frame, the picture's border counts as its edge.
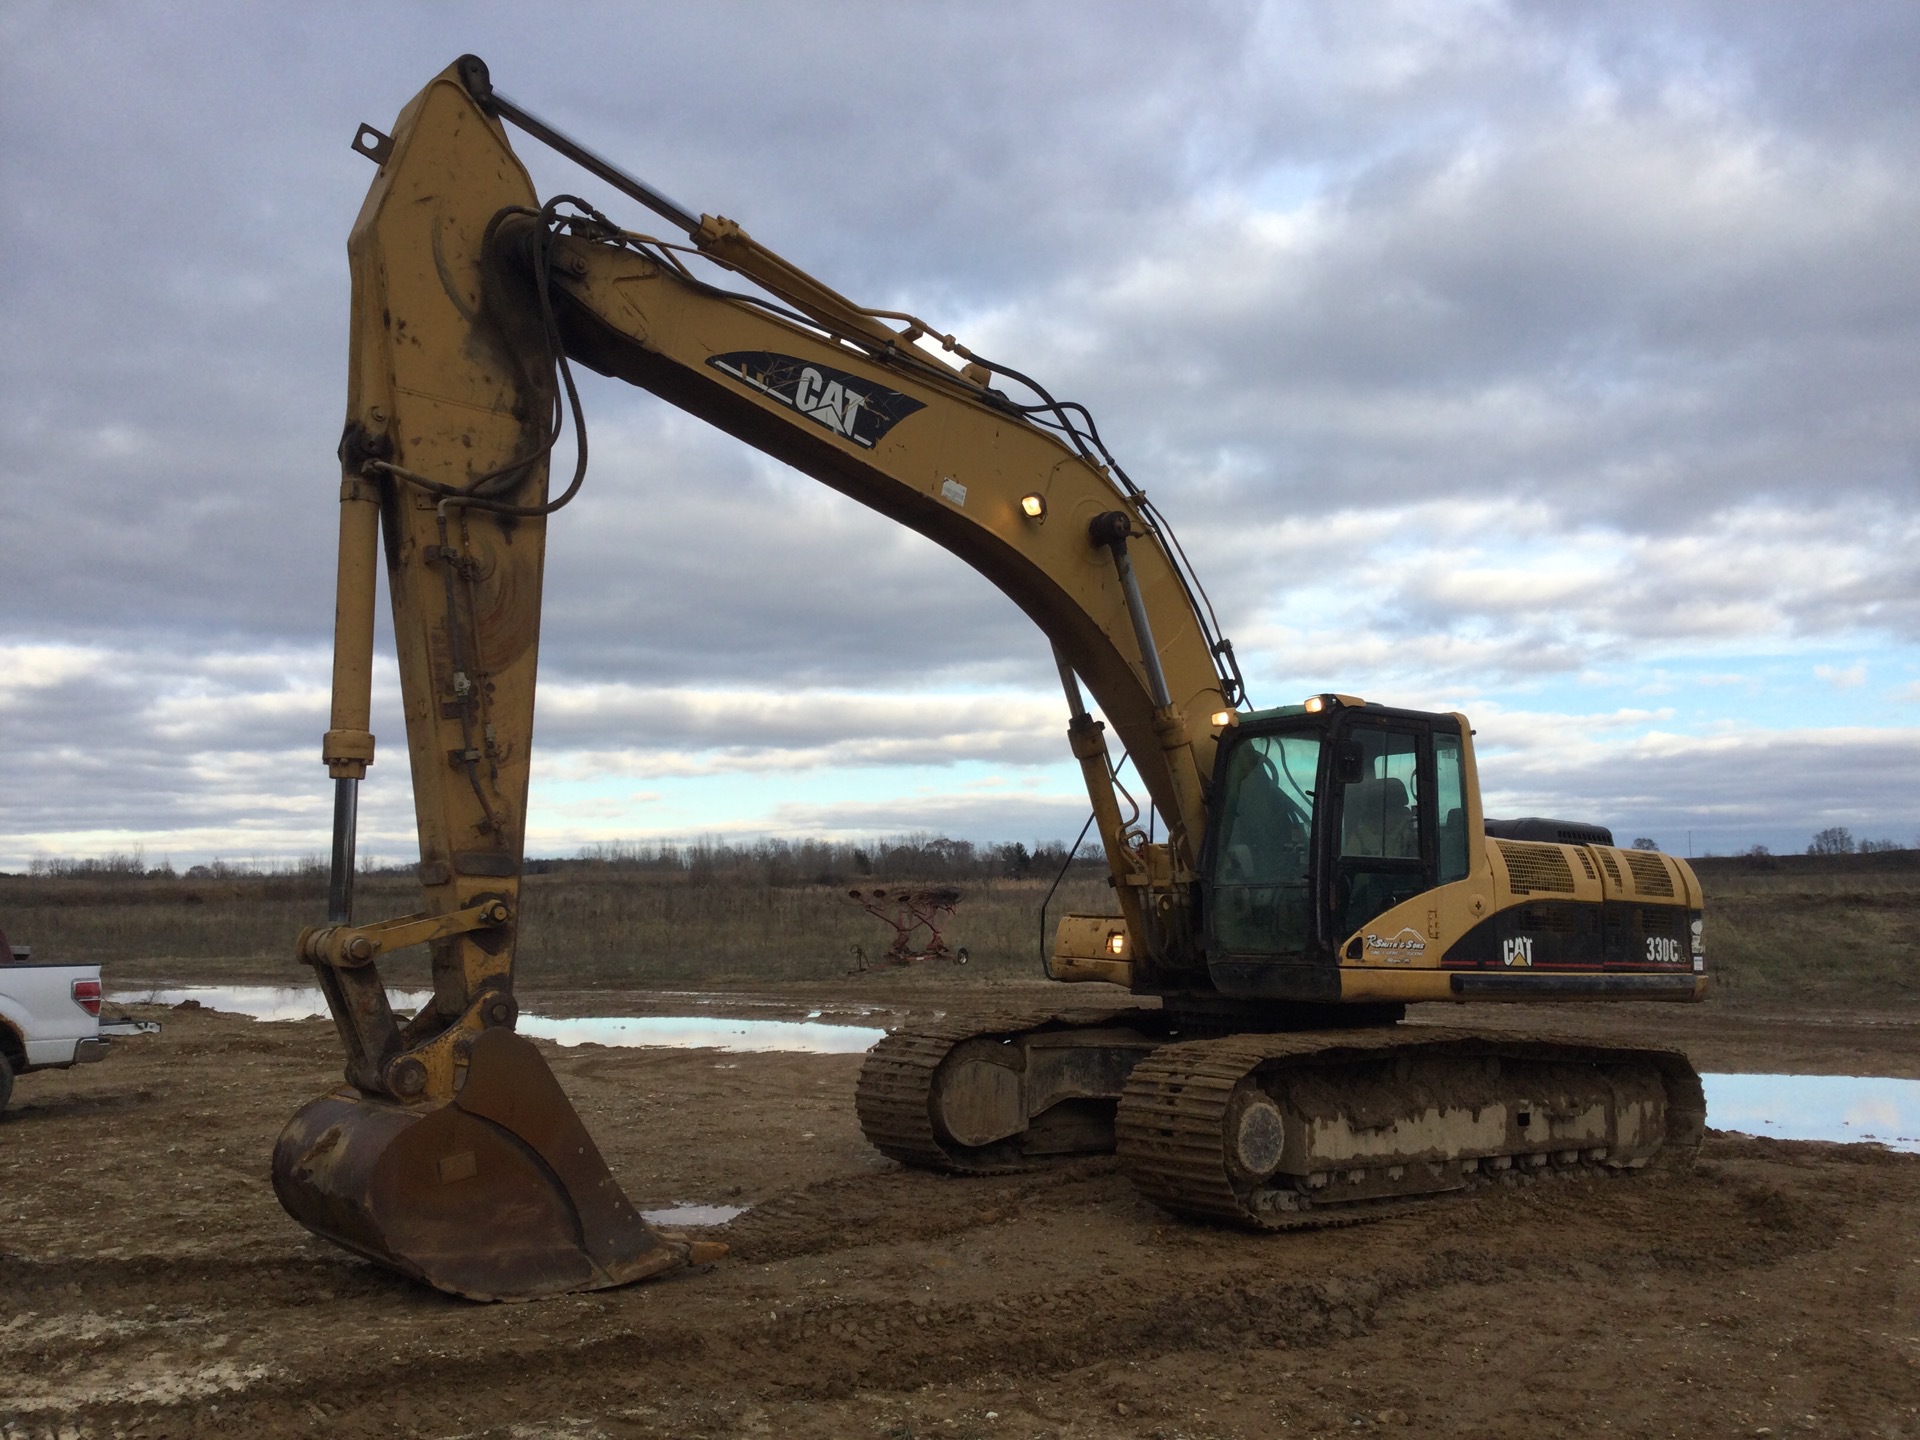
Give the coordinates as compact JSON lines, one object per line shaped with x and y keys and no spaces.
{"x":901,"y":1205}
{"x":30,"y":1111}
{"x":1189,"y":1289}
{"x":24,"y":1277}
{"x":855,"y":1287}
{"x":1220,"y":1304}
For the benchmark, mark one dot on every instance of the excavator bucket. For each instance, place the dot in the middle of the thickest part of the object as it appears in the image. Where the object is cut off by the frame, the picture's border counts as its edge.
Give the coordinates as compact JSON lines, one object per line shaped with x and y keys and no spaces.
{"x":498,"y":1194}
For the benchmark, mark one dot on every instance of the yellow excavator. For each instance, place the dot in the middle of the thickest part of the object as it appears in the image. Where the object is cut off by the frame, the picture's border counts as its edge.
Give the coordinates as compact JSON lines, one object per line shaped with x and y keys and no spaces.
{"x":1322,"y":865}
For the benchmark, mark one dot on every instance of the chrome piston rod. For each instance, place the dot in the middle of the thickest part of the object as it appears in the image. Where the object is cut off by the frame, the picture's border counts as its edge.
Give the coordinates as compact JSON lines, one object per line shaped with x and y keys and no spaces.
{"x":346,"y":816}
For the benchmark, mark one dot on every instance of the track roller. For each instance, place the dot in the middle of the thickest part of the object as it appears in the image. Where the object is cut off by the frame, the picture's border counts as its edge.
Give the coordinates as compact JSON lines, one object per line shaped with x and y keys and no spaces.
{"x":1008,"y":1091}
{"x":1281,"y":1131}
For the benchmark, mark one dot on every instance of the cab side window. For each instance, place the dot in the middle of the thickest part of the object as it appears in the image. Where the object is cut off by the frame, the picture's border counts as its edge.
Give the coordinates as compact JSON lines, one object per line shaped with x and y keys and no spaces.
{"x":1450,"y":809}
{"x":1379,"y":815}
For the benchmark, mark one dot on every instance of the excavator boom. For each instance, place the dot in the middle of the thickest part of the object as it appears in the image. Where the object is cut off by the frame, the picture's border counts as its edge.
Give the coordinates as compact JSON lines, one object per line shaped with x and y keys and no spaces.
{"x":470,"y":299}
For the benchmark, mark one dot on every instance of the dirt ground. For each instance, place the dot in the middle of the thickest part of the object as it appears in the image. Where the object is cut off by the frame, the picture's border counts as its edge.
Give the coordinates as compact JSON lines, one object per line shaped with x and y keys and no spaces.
{"x":151,"y":1285}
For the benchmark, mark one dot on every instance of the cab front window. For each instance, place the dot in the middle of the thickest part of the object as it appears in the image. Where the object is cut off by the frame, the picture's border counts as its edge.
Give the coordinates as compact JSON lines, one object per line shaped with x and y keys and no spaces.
{"x":1260,"y":861}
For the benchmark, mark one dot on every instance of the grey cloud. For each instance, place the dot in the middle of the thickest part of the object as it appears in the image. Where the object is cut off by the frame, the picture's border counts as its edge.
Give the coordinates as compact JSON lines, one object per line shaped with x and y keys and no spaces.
{"x":979,"y":818}
{"x":116,"y":741}
{"x":687,"y":560}
{"x":662,"y":732}
{"x":107,"y":744}
{"x":1509,"y":293}
{"x":1811,"y":573}
{"x":1643,"y":268}
{"x":1506,"y":332}
{"x":1730,"y":792}
{"x":1460,"y":598}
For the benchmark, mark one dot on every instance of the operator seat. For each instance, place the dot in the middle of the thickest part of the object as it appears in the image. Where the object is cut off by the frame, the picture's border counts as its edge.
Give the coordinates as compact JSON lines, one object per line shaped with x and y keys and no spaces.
{"x":1376,"y":822}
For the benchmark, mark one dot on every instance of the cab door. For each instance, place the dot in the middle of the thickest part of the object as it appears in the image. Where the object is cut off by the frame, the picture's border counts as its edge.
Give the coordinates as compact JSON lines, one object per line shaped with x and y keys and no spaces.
{"x":1382,"y":832}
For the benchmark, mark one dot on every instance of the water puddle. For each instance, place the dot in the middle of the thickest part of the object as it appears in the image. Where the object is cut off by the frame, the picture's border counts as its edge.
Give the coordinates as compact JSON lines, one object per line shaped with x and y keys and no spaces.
{"x":677,"y":1032}
{"x":694,"y":1215}
{"x":1782,"y":1107}
{"x":681,"y":1032}
{"x":1817,"y":1107}
{"x":260,"y":1002}
{"x":711,"y":997}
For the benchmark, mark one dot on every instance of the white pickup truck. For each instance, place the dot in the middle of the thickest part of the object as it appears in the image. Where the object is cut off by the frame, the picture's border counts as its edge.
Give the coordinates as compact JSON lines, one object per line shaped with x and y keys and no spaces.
{"x":50,"y":1016}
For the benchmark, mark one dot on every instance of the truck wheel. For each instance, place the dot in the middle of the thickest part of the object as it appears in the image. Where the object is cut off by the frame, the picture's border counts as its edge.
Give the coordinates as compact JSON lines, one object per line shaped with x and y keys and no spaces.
{"x":6,"y":1079}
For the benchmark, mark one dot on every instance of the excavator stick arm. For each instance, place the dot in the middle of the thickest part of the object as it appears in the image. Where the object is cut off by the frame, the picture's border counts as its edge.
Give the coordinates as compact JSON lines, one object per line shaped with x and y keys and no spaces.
{"x":452,"y":1154}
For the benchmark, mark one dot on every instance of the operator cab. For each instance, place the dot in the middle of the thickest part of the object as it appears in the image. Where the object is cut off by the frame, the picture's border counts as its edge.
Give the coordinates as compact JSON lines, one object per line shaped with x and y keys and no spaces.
{"x":1329,"y":813}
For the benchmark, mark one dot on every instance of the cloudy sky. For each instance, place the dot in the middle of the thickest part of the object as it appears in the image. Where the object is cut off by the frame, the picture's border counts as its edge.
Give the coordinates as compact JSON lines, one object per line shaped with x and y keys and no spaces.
{"x":1558,"y":363}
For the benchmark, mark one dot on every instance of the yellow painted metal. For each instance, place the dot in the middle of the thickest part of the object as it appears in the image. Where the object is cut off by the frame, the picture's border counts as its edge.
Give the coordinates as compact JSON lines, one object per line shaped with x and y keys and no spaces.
{"x":1083,"y":950}
{"x":1431,"y":923}
{"x":724,"y":241}
{"x":1367,"y":983}
{"x":346,"y":946}
{"x":453,"y":1156}
{"x":955,"y":471}
{"x":348,"y":747}
{"x":440,"y":386}
{"x":450,"y":381}
{"x":1125,"y":864}
{"x":451,"y":410}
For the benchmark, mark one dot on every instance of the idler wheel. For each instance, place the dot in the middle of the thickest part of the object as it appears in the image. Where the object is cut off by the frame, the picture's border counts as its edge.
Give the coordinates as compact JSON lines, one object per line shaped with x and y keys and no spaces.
{"x":1256,"y":1134}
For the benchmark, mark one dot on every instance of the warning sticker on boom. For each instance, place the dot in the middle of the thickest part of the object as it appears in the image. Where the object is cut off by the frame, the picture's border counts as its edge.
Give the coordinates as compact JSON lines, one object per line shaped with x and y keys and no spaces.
{"x":852,"y":408}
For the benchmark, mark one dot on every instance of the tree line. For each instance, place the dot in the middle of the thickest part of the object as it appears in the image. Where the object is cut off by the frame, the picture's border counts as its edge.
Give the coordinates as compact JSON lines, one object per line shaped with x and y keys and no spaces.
{"x":829,"y":862}
{"x":709,"y":859}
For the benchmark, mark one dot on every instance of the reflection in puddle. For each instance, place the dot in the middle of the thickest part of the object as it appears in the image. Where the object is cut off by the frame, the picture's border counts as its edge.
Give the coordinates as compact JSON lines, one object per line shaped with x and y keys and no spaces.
{"x":1817,"y":1107}
{"x":688,"y":1032}
{"x":716,"y":997}
{"x":262,"y":1002}
{"x":678,"y":1032}
{"x":1783,"y":1107}
{"x":694,"y":1215}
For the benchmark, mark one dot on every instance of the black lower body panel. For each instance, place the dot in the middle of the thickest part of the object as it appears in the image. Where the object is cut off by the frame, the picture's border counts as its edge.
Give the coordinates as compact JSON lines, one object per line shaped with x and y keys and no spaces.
{"x":1509,"y":986}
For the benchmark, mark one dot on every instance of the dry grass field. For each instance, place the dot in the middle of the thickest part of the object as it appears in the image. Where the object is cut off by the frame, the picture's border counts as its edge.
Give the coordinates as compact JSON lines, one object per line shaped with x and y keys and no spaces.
{"x":581,"y":924}
{"x":1820,"y":930}
{"x":1815,"y":929}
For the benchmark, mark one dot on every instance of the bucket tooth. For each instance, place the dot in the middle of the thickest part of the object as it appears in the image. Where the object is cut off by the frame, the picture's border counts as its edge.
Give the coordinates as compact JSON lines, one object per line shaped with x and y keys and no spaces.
{"x":497,"y":1194}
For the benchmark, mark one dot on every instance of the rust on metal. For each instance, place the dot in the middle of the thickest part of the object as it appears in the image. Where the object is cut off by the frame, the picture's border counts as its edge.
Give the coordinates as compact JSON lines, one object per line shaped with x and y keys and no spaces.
{"x":909,"y":912}
{"x":1297,"y":1130}
{"x":498,"y":1195}
{"x":1002,"y":1091}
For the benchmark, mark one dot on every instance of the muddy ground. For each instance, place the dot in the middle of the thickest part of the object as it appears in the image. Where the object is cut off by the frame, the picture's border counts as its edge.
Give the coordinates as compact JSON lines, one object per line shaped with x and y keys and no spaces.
{"x":150,"y":1284}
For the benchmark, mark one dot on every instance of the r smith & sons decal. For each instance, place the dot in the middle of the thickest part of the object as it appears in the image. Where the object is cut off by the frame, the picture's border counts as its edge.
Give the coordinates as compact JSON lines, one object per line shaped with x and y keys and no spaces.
{"x":1396,"y":949}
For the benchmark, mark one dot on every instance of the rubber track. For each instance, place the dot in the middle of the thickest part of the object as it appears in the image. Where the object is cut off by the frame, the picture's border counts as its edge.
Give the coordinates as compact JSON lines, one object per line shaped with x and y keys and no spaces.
{"x":894,"y":1094}
{"x":1171,"y":1122}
